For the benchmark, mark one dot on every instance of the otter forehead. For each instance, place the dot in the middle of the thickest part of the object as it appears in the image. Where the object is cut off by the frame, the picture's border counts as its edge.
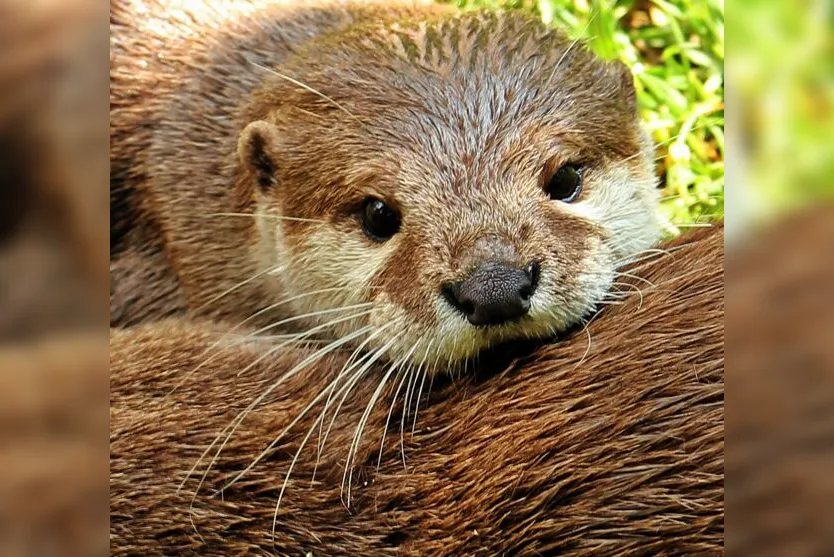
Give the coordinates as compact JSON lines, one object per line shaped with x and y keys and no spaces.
{"x":471,"y":81}
{"x":451,"y":107}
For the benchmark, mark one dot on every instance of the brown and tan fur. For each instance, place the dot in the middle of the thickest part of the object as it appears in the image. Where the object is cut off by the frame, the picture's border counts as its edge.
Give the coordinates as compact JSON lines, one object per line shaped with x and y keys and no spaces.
{"x":609,"y":446}
{"x":246,"y":183}
{"x":167,"y":257}
{"x":608,"y":443}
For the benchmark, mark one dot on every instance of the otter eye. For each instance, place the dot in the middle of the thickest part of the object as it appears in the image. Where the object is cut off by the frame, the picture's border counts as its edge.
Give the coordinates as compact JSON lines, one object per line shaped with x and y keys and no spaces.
{"x":379,"y":220}
{"x":565,"y":184}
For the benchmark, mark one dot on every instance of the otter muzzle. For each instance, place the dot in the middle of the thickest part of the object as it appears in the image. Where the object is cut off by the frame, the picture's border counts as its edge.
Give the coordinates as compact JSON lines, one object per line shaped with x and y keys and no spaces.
{"x":493,"y":293}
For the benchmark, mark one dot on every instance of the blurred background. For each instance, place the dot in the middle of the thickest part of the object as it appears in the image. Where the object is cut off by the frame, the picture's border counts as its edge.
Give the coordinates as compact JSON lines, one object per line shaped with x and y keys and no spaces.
{"x":780,"y":329}
{"x":780,"y":280}
{"x":54,"y":171}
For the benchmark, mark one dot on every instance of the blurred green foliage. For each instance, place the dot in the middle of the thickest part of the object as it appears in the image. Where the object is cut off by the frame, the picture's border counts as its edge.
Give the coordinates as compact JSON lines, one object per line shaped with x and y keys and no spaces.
{"x":783,"y":79}
{"x":675,"y":49}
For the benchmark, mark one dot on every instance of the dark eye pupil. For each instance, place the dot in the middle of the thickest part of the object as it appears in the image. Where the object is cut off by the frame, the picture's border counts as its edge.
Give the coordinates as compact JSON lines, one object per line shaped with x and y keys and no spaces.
{"x":566,"y":184}
{"x":379,"y":220}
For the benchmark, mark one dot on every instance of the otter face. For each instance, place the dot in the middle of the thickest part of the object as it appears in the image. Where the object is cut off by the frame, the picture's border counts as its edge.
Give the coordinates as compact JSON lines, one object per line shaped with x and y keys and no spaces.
{"x":449,"y":185}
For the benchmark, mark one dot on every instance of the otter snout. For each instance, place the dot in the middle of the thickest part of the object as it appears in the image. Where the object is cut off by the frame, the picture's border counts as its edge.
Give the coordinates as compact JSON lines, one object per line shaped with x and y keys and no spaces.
{"x":494,"y":293}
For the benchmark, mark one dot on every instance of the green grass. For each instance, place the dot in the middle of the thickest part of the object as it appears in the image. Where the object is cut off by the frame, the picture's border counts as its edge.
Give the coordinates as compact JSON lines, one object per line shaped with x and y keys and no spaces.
{"x":783,"y":74}
{"x":675,"y":48}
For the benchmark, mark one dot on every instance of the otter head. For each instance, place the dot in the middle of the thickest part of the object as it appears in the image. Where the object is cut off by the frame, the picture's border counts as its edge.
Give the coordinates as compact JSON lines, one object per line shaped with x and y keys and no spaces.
{"x":426,"y":189}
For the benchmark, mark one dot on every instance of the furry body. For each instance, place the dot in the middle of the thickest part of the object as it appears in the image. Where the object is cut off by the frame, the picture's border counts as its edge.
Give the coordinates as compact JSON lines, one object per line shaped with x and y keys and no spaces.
{"x":602,"y":450}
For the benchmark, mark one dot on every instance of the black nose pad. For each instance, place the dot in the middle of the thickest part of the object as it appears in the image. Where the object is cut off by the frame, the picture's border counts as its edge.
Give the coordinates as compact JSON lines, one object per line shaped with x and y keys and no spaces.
{"x":494,"y":293}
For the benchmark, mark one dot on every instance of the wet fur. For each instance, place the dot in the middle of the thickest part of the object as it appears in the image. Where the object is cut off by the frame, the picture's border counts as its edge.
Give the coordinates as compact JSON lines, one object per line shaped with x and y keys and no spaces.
{"x":244,"y":183}
{"x":573,"y":449}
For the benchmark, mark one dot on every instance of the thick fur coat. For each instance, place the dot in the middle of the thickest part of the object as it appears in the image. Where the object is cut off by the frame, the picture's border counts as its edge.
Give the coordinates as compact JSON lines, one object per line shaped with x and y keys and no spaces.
{"x":607,"y":442}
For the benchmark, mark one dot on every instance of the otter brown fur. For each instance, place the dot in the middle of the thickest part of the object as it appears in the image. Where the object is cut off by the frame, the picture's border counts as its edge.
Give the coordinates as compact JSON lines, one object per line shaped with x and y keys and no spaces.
{"x":248,"y":140}
{"x":608,"y":447}
{"x":198,"y":39}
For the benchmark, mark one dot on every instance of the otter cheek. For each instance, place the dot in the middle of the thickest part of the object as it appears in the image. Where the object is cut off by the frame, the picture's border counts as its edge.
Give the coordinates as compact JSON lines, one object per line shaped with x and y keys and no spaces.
{"x":624,"y":201}
{"x":570,"y":240}
{"x":330,"y":271}
{"x":403,"y":278}
{"x":595,"y":276}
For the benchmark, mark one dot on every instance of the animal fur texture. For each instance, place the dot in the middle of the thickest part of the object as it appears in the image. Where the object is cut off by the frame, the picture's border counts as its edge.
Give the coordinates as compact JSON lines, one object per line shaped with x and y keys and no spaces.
{"x":53,"y":169}
{"x":246,"y":138}
{"x":607,"y":442}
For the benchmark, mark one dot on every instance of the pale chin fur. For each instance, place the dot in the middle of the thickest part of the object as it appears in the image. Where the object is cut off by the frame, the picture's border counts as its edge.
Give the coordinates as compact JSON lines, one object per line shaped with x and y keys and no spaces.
{"x":552,"y":310}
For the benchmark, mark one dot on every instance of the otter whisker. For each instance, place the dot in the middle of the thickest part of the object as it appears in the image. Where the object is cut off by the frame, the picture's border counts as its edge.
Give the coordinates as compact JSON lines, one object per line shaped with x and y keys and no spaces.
{"x":411,"y":373}
{"x":347,"y":388}
{"x":422,"y":383}
{"x":408,"y":394}
{"x":342,"y":373}
{"x":307,"y":88}
{"x":647,"y":260}
{"x":635,"y":277}
{"x":242,"y":415}
{"x":391,"y":411}
{"x":285,"y":301}
{"x":346,"y":368}
{"x":644,"y":255}
{"x":306,"y":334}
{"x":587,"y":331}
{"x":281,"y":435}
{"x":332,"y":392}
{"x":236,"y":286}
{"x":394,"y":398}
{"x":409,"y":388}
{"x":268,"y":216}
{"x":291,"y":336}
{"x":352,"y":382}
{"x":361,"y":426}
{"x":633,"y":287}
{"x":424,"y":372}
{"x":311,"y":314}
{"x":572,"y":44}
{"x":227,"y":334}
{"x":562,"y":59}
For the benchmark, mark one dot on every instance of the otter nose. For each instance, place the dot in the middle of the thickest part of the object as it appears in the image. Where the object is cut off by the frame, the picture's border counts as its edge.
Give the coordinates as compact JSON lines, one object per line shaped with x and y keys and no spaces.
{"x":494,"y":293}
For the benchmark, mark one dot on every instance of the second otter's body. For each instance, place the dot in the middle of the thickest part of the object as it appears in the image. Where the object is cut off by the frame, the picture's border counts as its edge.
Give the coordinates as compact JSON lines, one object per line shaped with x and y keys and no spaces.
{"x":616,"y":448}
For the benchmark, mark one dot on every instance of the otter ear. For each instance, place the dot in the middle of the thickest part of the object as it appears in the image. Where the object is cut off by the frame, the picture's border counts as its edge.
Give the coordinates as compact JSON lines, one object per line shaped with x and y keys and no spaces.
{"x":257,"y":149}
{"x":624,"y":80}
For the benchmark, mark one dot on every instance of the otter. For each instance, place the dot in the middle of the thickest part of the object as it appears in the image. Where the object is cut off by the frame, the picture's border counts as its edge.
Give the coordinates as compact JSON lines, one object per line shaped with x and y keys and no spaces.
{"x":608,"y":443}
{"x":417,"y":181}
